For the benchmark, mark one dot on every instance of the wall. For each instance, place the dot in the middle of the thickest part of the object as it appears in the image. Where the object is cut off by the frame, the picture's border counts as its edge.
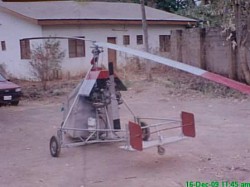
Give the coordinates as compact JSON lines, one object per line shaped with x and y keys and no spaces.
{"x":12,"y":29}
{"x":75,"y":66}
{"x":204,"y":48}
{"x":218,"y":54}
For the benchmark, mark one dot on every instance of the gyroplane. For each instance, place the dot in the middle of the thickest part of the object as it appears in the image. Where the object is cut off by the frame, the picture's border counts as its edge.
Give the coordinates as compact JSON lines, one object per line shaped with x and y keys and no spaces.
{"x":92,"y":109}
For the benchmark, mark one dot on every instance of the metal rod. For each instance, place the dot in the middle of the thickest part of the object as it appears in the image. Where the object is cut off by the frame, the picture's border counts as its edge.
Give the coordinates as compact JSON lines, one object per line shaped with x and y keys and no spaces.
{"x":108,"y":121}
{"x":77,"y":129}
{"x":97,"y":124}
{"x":92,"y":141}
{"x":127,"y":133}
{"x":90,"y":136}
{"x":153,"y":118}
{"x":75,"y":100}
{"x":133,"y":114}
{"x":159,"y":124}
{"x":170,"y":128}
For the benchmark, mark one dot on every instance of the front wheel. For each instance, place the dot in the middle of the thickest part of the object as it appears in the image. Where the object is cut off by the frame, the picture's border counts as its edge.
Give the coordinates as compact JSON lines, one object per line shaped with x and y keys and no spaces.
{"x":55,"y":146}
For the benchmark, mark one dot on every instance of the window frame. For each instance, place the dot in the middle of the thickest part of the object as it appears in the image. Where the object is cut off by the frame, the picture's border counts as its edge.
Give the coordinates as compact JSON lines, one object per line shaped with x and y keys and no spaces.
{"x":165,"y":43}
{"x":3,"y":46}
{"x":139,"y":39}
{"x":126,"y":40}
{"x":76,"y":48}
{"x":25,"y":49}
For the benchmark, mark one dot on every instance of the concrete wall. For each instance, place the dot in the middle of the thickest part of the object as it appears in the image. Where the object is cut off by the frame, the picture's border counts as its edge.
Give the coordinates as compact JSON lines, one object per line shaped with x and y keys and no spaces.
{"x":12,"y":29}
{"x":204,"y":48}
{"x":217,"y":52}
{"x":100,"y":33}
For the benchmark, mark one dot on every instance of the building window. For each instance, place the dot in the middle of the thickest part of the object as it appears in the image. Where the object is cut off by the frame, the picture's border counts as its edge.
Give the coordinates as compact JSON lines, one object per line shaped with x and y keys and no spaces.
{"x":76,"y":48}
{"x":3,"y":45}
{"x":139,"y":39}
{"x":126,"y":40}
{"x":165,"y":43}
{"x":25,"y":49}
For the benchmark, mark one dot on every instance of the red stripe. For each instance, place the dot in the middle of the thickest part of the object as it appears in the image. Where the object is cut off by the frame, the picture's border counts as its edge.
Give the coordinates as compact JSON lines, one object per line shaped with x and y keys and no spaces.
{"x":226,"y":81}
{"x":93,"y":75}
{"x":98,"y":74}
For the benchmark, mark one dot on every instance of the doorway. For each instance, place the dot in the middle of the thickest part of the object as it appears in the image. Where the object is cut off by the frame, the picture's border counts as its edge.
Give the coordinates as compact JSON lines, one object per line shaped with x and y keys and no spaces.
{"x":111,"y":52}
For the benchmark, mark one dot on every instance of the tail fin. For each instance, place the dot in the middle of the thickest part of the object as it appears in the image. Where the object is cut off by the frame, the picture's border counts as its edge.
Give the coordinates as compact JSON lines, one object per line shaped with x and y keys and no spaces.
{"x":135,"y":132}
{"x":188,"y":124}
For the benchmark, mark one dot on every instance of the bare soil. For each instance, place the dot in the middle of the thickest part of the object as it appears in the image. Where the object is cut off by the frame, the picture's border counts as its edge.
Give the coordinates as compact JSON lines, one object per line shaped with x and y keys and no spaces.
{"x":220,"y":152}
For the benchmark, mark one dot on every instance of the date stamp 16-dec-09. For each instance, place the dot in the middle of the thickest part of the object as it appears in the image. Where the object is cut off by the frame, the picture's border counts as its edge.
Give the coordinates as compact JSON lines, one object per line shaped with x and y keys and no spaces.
{"x":217,"y":184}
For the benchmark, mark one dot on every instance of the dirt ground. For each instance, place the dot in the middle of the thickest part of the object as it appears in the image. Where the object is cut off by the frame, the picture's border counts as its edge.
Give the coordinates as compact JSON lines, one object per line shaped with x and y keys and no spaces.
{"x":220,"y":152}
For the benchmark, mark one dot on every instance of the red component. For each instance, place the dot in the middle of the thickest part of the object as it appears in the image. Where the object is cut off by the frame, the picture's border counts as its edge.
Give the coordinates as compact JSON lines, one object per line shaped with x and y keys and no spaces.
{"x":188,"y":124}
{"x":93,"y":75}
{"x":228,"y":82}
{"x":104,"y":74}
{"x":135,"y":132}
{"x":92,"y":61}
{"x":98,"y":74}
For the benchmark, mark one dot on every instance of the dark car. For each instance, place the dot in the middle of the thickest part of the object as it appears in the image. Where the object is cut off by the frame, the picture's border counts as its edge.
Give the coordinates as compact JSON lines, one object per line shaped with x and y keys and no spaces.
{"x":10,"y":93}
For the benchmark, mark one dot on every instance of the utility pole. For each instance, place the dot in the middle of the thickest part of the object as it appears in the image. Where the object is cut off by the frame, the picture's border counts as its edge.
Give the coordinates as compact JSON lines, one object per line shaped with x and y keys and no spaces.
{"x":145,"y":34}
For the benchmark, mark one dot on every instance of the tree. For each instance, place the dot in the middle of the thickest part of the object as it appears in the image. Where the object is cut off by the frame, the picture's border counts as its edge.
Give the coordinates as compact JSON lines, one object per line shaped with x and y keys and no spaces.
{"x":242,"y":21}
{"x":173,"y":5}
{"x":232,"y":16}
{"x":46,"y":58}
{"x":210,"y":13}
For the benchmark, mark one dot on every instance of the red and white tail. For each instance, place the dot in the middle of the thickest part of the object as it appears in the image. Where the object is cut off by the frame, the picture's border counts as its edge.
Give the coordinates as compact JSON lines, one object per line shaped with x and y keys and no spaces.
{"x":187,"y":127}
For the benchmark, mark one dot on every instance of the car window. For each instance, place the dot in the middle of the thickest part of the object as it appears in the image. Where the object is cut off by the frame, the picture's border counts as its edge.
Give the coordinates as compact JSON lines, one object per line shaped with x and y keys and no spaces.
{"x":2,"y":78}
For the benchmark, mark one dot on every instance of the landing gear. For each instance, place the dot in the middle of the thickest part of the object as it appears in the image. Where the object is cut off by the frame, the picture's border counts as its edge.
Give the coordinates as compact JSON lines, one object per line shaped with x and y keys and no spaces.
{"x":145,"y":131}
{"x":55,"y":146}
{"x":161,"y":150}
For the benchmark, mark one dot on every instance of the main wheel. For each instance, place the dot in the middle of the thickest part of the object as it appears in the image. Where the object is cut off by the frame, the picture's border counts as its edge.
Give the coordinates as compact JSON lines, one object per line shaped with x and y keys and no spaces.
{"x":55,"y":146}
{"x":145,"y":131}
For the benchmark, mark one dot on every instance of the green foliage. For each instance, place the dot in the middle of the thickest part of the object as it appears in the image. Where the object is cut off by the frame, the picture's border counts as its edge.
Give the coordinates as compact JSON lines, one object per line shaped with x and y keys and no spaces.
{"x":172,"y":5}
{"x":217,"y":13}
{"x":46,"y":57}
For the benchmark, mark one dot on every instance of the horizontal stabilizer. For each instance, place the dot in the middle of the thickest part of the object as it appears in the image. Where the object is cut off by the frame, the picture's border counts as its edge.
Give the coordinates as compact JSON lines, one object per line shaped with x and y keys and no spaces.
{"x":188,"y":124}
{"x":164,"y":140}
{"x":135,"y":137}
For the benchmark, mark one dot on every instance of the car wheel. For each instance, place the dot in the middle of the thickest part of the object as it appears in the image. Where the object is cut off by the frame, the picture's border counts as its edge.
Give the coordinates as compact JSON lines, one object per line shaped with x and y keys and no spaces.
{"x":15,"y":103}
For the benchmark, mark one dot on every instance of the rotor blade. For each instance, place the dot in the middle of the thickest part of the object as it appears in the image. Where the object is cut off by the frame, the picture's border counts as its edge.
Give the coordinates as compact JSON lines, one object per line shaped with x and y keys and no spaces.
{"x":56,"y":37}
{"x":181,"y":66}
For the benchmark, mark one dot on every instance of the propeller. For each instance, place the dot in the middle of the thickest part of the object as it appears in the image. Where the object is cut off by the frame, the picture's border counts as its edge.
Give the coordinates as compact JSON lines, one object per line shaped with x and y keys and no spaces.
{"x":181,"y":66}
{"x":171,"y":63}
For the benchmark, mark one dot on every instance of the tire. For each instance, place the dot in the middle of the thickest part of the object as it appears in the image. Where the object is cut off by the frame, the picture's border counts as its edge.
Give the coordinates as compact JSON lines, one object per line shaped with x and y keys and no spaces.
{"x":145,"y":131}
{"x":160,"y":150}
{"x":55,"y":146}
{"x":14,"y":103}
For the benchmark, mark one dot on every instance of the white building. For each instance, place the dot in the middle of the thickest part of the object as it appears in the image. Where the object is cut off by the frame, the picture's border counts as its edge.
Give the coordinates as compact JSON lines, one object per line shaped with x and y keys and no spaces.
{"x":118,"y":23}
